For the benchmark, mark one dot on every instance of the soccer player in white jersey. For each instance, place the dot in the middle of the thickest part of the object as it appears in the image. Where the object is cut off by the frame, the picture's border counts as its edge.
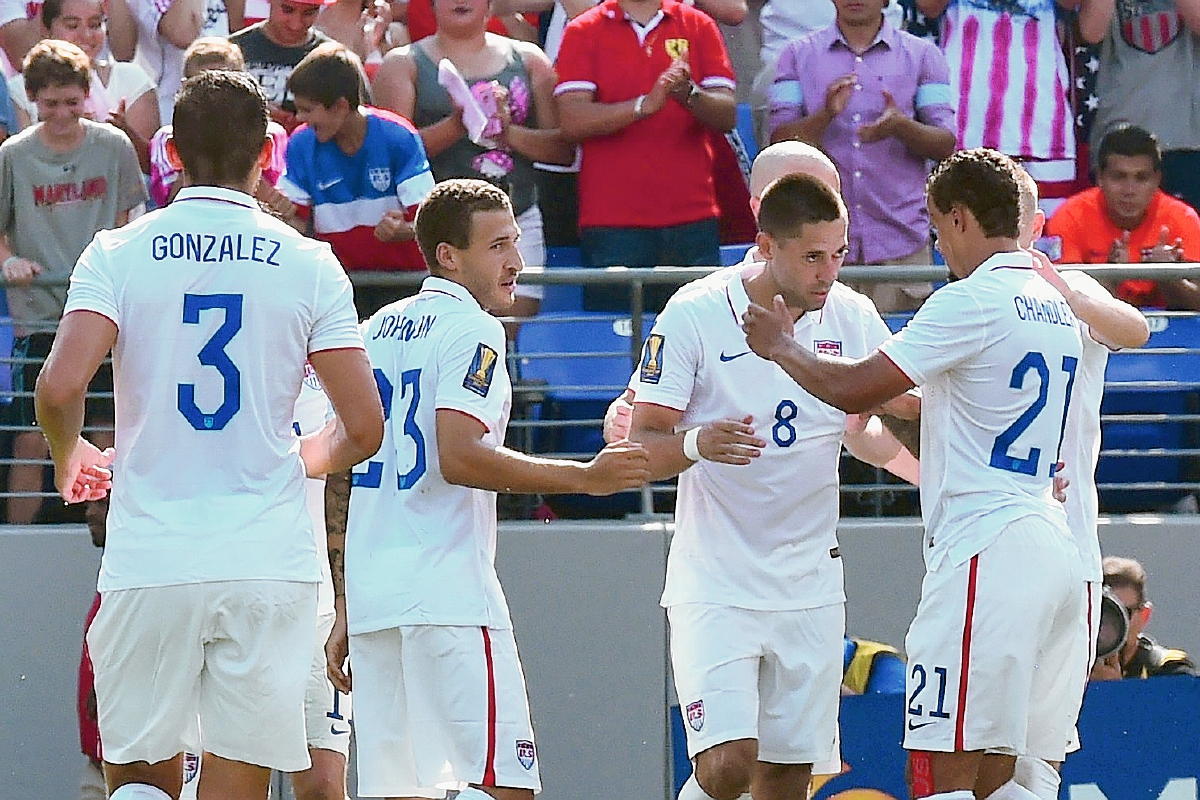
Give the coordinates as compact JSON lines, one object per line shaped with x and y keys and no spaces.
{"x":209,"y":580}
{"x":1107,"y":324}
{"x":996,"y":354}
{"x":440,"y":701}
{"x":754,"y":588}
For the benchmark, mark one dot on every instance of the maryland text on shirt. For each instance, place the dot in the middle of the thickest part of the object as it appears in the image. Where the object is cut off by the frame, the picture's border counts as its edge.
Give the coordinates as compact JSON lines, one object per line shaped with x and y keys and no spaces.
{"x":211,"y":249}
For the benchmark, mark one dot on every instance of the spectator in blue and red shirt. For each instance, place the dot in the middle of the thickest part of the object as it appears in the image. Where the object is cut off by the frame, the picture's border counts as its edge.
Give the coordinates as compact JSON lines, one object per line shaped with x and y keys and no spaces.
{"x":359,"y":172}
{"x":640,"y":84}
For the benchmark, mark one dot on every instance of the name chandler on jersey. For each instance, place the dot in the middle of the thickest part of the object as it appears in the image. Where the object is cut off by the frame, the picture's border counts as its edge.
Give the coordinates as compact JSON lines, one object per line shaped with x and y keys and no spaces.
{"x":1051,"y":312}
{"x":211,"y":249}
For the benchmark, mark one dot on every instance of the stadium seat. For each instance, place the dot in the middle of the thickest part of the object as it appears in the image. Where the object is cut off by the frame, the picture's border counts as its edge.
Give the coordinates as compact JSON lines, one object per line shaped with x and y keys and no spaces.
{"x":562,"y":296}
{"x":733,"y":254}
{"x":583,"y":360}
{"x":1151,"y":383}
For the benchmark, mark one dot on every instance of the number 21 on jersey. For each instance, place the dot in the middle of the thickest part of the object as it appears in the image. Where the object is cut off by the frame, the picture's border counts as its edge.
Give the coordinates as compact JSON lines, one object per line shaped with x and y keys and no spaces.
{"x":371,"y":477}
{"x":1002,"y":448}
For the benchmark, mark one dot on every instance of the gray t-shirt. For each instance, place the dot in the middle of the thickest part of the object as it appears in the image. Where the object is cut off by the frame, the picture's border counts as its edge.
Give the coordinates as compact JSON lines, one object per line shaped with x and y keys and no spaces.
{"x":52,"y":204}
{"x":1150,"y":58}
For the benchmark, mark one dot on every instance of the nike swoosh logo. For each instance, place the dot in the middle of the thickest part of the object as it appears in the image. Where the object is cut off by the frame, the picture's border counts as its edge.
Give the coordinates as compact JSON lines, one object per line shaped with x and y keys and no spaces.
{"x":324,"y":186}
{"x":333,"y":729}
{"x":735,"y":355}
{"x":913,"y":727}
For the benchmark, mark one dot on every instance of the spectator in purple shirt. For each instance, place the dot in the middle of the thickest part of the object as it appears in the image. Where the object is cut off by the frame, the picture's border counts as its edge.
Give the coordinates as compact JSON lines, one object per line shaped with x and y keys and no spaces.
{"x":878,"y":101}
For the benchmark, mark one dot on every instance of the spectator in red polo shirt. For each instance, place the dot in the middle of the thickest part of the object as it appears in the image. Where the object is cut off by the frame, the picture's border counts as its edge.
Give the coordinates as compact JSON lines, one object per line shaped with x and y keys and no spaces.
{"x":640,"y":84}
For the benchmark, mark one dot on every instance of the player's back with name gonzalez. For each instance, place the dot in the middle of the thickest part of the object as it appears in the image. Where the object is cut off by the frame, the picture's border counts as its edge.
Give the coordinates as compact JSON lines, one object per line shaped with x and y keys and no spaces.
{"x":217,"y":307}
{"x":410,"y":533}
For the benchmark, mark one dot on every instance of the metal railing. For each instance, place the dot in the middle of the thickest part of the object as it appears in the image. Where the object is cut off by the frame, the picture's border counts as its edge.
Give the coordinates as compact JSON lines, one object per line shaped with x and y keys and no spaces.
{"x":545,"y":413}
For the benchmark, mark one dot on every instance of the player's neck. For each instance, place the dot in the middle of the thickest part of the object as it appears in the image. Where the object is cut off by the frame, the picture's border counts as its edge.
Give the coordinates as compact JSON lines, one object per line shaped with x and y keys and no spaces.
{"x":986,"y":248}
{"x":761,"y":288}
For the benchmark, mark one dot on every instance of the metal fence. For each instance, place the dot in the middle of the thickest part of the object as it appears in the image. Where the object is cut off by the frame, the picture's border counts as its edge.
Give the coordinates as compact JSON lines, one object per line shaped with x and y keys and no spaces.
{"x":567,"y":365}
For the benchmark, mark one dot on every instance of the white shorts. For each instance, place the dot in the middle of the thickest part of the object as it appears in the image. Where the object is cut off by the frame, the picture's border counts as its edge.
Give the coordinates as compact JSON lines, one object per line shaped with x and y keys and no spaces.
{"x":440,"y":708}
{"x":229,"y":657}
{"x":773,"y":676}
{"x":532,"y":246}
{"x":327,"y":712}
{"x":994,"y":652}
{"x":1095,"y":594}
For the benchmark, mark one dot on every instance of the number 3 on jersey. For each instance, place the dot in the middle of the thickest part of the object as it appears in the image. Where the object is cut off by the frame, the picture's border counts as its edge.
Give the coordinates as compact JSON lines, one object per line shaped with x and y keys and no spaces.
{"x":410,"y":389}
{"x":213,"y":354}
{"x":1035,"y":362}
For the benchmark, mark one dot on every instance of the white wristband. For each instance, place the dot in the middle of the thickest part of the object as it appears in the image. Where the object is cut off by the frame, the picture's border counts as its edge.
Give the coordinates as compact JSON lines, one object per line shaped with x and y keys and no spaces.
{"x":691,"y":444}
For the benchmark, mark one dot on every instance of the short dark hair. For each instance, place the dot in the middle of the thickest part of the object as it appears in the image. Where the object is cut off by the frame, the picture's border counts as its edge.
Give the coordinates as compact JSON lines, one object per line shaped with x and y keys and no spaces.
{"x":330,"y":72}
{"x":219,"y":126}
{"x":1129,"y":140}
{"x":53,"y":9}
{"x":212,"y":52}
{"x":1125,"y":573}
{"x":984,"y":181}
{"x":53,"y":62}
{"x":446,"y":214}
{"x":794,"y":201}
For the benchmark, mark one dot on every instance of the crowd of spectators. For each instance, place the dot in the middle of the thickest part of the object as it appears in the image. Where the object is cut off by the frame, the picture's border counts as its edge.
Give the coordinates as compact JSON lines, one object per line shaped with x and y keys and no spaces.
{"x":616,"y":126}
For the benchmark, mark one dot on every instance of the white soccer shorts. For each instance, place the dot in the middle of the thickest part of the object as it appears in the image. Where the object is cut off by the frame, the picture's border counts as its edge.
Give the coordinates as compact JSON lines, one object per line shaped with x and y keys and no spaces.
{"x":994,"y":653}
{"x":327,"y":712}
{"x":439,"y":708}
{"x":233,"y":655}
{"x":773,"y":676}
{"x":1095,"y":594}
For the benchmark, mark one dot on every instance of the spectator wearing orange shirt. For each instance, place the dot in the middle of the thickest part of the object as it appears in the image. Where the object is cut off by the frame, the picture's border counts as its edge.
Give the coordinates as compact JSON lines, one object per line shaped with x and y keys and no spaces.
{"x":1128,"y":219}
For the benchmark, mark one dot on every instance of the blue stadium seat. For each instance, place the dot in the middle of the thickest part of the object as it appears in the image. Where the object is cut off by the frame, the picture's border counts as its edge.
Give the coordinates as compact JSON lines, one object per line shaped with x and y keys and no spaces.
{"x":562,"y":296}
{"x":745,"y":129}
{"x":584,"y":360}
{"x":1151,"y":383}
{"x":733,"y":254}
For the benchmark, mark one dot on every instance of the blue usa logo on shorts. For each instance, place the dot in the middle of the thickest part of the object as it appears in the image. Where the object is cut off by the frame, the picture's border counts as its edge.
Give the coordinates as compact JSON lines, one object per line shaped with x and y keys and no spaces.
{"x":525,"y":753}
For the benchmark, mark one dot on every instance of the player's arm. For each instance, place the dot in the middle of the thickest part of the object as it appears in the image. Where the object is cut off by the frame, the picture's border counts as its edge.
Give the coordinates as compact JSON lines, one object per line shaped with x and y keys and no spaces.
{"x":337,"y":510}
{"x":357,"y":431}
{"x":724,"y":441}
{"x":1114,"y":323}
{"x":83,"y":339}
{"x":852,"y":386}
{"x":871,"y":442}
{"x":466,"y":460}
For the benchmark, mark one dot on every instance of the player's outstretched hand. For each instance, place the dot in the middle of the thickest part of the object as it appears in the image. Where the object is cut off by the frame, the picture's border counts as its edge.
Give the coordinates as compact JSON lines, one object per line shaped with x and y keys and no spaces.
{"x":85,"y":474}
{"x":730,"y":442}
{"x":337,"y":650}
{"x":619,"y":466}
{"x":1043,"y":266}
{"x":768,"y":329}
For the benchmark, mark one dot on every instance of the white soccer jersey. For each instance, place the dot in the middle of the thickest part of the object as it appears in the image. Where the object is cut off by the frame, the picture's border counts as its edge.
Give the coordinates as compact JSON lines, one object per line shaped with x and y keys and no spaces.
{"x":217,"y":306}
{"x":996,"y":356}
{"x":1081,"y":441}
{"x":419,"y":550}
{"x":310,"y":415}
{"x":761,"y":536}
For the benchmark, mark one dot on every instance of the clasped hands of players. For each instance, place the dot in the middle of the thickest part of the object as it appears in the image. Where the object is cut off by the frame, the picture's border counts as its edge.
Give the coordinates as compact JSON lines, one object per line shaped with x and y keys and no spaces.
{"x":724,"y":441}
{"x":619,"y":466}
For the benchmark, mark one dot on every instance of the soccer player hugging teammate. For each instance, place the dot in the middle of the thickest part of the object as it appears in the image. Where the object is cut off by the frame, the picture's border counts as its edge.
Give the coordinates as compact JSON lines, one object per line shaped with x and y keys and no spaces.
{"x":996,"y":635}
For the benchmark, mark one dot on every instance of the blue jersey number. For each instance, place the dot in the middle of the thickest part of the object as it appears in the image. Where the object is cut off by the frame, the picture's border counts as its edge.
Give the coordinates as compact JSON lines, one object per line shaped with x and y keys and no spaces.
{"x":213,"y":355}
{"x":783,"y":432}
{"x":1028,"y":465}
{"x":410,"y":387}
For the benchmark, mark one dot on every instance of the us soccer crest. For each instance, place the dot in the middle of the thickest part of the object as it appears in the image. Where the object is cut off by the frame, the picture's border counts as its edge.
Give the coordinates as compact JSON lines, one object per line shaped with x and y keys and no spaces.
{"x":525,"y":753}
{"x":695,"y":715}
{"x":482,"y":369}
{"x":381,"y":178}
{"x":1148,"y":25}
{"x":310,"y":377}
{"x":652,"y":355}
{"x":677,"y":48}
{"x":827,"y":347}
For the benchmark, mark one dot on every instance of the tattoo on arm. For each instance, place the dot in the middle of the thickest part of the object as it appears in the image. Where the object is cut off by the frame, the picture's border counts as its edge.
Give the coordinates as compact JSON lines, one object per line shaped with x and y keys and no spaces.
{"x":337,"y":508}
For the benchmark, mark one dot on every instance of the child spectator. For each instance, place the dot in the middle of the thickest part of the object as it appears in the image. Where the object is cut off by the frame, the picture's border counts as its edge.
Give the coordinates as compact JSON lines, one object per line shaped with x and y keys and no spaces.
{"x":61,"y":181}
{"x":121,"y":94}
{"x":358,"y":172}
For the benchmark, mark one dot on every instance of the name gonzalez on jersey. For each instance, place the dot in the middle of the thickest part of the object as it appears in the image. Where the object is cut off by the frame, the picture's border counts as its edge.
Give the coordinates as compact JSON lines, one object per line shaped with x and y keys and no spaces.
{"x":211,"y":249}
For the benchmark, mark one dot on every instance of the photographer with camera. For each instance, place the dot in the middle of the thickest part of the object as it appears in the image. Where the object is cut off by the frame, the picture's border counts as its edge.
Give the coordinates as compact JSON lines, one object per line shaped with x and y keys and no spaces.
{"x":1139,"y":656}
